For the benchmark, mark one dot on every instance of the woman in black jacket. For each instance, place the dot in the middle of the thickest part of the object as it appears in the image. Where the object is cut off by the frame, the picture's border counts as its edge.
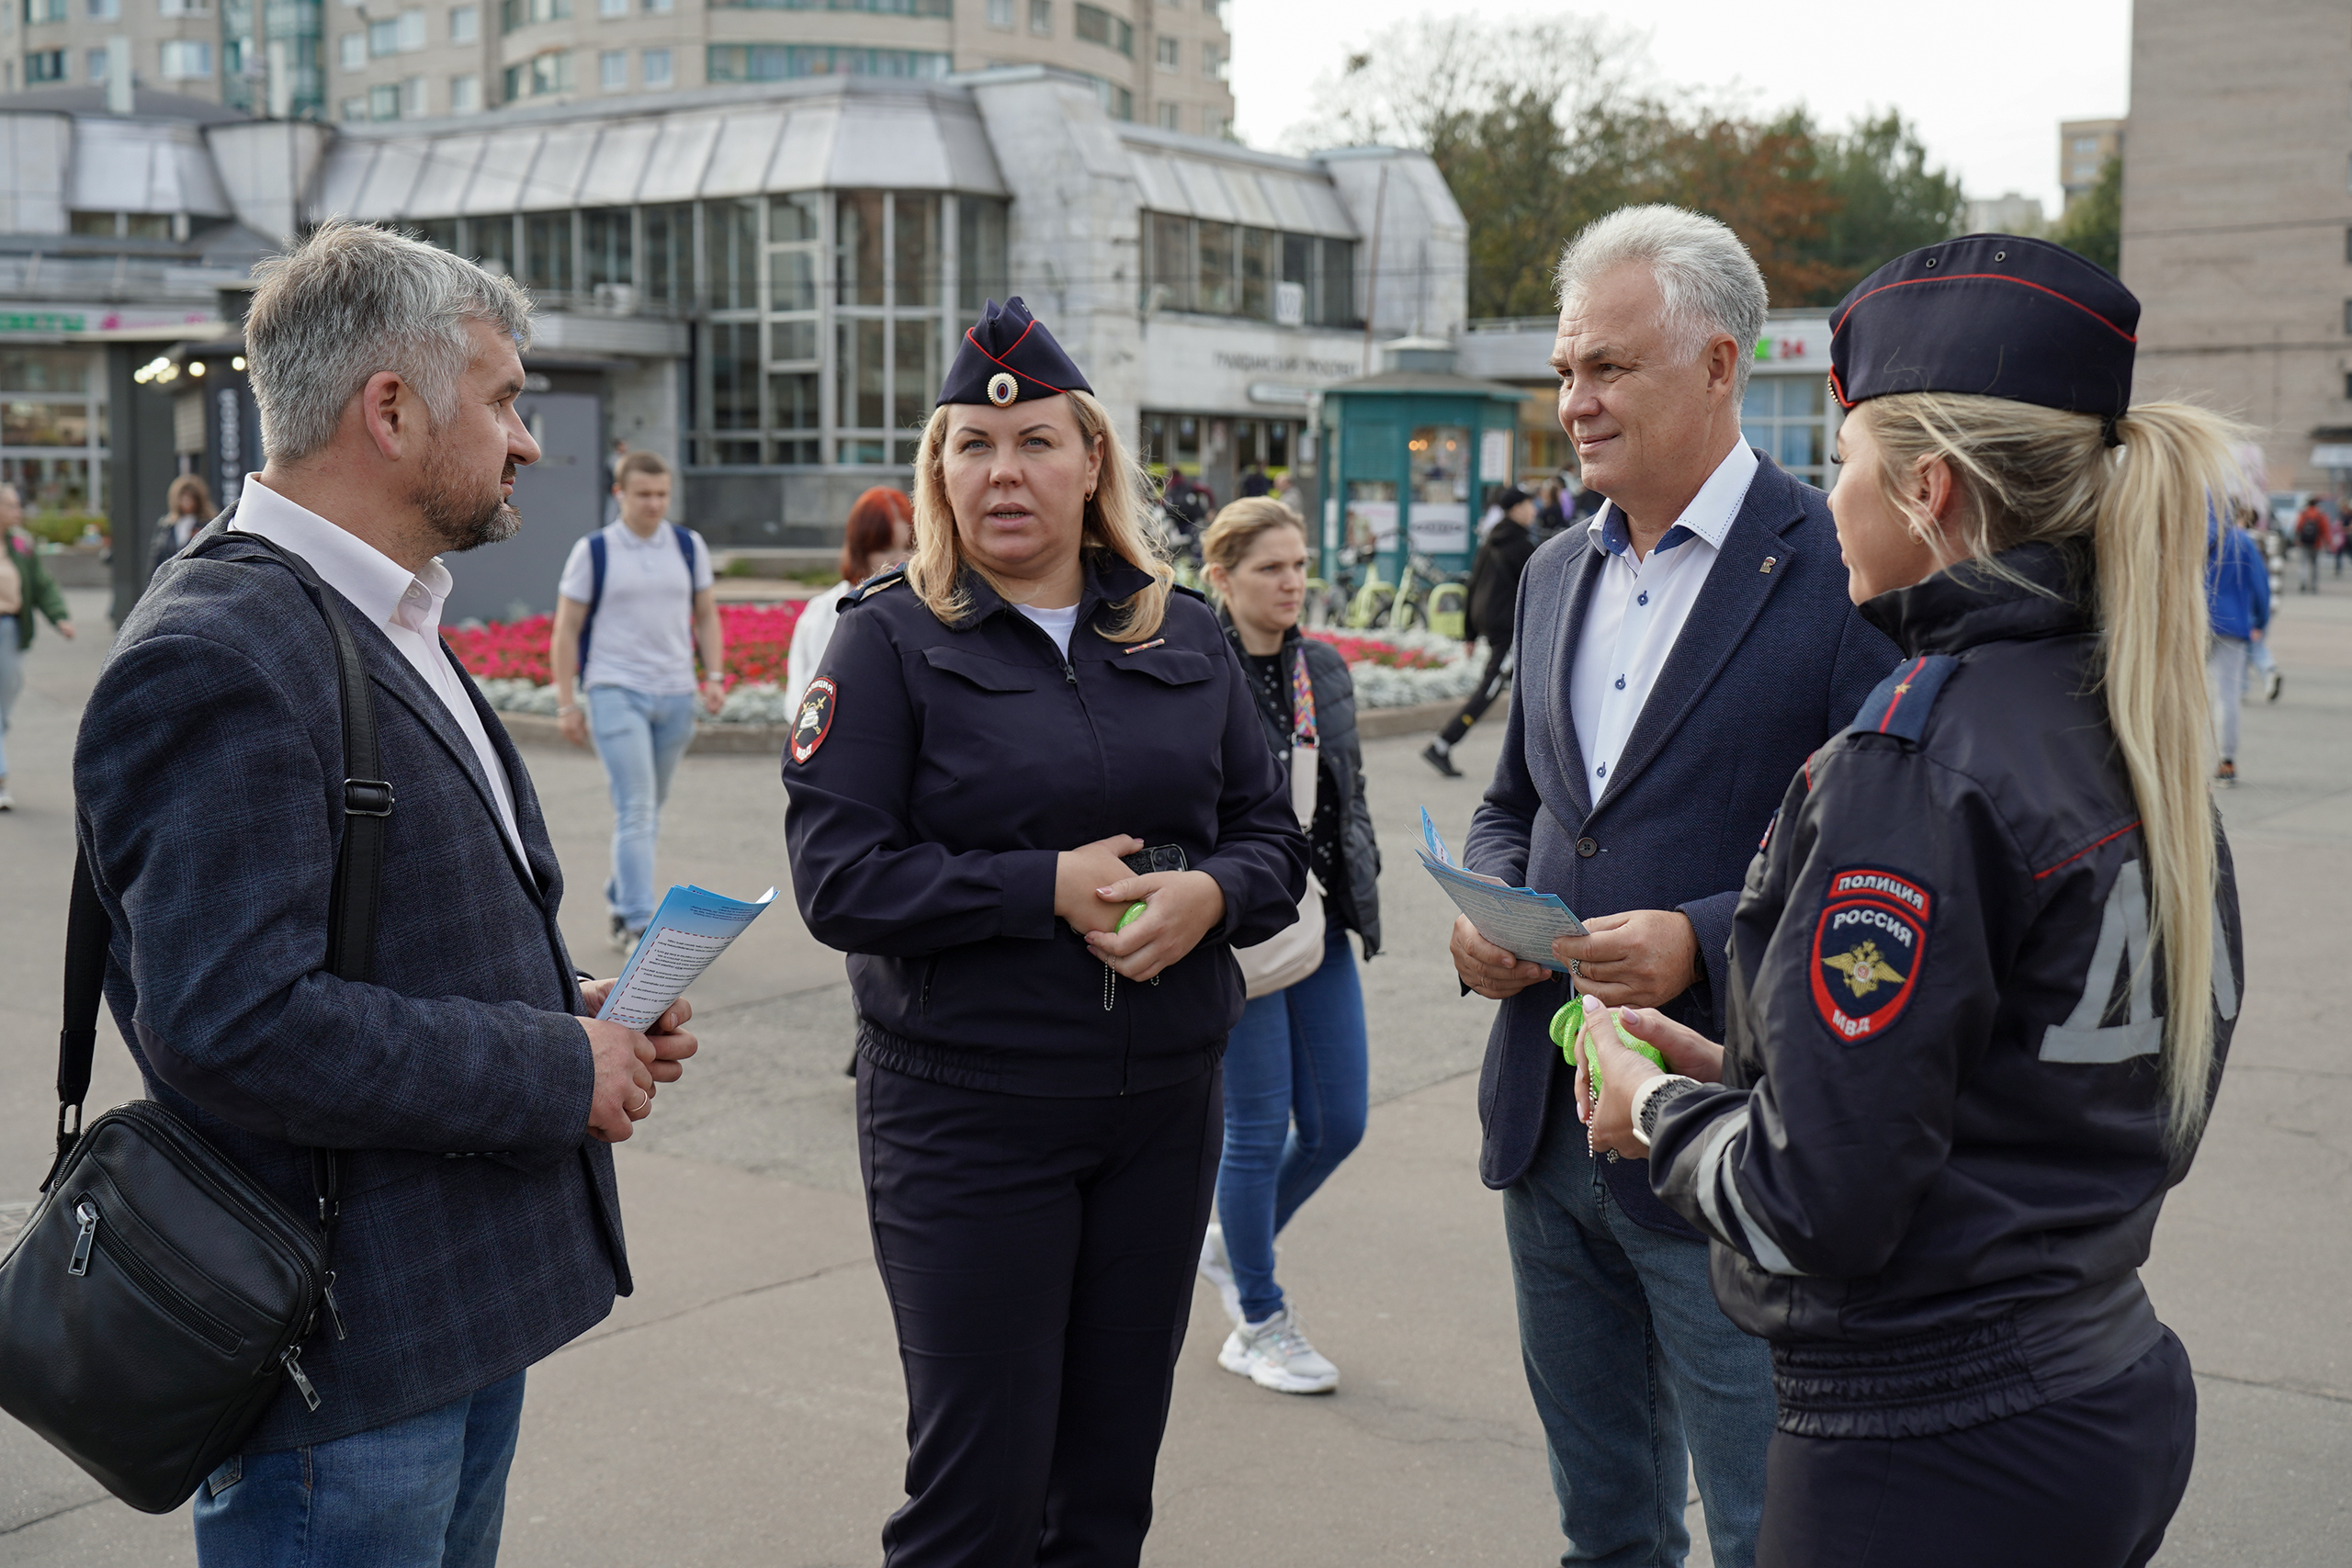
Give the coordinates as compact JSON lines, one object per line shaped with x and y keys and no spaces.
{"x":1988,"y":959}
{"x":1295,"y":1073}
{"x":994,"y":726}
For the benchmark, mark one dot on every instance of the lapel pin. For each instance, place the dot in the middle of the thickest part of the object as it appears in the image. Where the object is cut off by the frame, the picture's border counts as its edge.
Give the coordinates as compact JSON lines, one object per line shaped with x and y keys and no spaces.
{"x":1769,"y":562}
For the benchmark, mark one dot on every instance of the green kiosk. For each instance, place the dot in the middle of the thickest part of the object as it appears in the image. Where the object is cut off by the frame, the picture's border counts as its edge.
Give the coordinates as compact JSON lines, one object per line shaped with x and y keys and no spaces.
{"x":1409,"y":453}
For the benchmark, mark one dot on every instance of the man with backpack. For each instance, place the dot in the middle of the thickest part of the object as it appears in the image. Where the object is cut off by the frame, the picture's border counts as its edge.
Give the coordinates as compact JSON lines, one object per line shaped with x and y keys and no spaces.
{"x":2311,"y":532}
{"x":635,"y":603}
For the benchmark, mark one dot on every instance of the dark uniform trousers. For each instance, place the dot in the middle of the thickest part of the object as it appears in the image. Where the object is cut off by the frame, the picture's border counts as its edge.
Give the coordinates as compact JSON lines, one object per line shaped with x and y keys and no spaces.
{"x":2092,"y":1479}
{"x":1038,"y":1254}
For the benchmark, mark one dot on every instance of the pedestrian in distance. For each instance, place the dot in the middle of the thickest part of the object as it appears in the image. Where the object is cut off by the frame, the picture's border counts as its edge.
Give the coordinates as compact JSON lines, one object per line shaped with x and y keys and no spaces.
{"x":1254,"y":481}
{"x":1495,"y":572}
{"x":878,"y":533}
{"x":212,"y":783}
{"x":25,"y":588}
{"x":1031,"y":797}
{"x":2237,"y":599}
{"x":2262,"y":663}
{"x":1296,"y":1067}
{"x":634,"y":606}
{"x":2340,"y":537}
{"x":1930,"y":1151}
{"x":2311,"y":537}
{"x":187,"y":506}
{"x":1698,"y":643}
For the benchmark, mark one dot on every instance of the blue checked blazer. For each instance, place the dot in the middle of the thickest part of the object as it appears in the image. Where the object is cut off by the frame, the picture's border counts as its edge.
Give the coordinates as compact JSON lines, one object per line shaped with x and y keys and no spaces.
{"x":1768,"y":666}
{"x":481,"y":1224}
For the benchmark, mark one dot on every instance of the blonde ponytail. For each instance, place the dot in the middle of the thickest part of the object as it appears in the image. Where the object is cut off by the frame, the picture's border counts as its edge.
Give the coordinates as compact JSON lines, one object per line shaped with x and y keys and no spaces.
{"x":2028,"y":474}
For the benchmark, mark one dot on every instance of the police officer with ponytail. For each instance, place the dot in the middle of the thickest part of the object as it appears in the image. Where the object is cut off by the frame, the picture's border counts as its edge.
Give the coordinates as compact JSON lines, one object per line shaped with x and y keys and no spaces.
{"x":1987,"y":961}
{"x":1030,"y":797}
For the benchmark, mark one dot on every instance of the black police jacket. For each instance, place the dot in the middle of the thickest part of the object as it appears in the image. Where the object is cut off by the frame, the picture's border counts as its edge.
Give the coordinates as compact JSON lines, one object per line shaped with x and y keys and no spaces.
{"x":935,"y":773}
{"x":1937,"y":1156}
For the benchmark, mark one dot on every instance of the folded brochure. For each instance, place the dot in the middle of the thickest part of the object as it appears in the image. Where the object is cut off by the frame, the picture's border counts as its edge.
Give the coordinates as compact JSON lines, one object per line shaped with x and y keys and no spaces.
{"x":689,"y":931}
{"x":1518,"y":919}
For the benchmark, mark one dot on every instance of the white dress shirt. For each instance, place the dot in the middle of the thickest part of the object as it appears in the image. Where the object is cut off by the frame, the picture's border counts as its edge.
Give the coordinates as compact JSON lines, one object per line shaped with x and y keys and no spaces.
{"x":1639,"y":608}
{"x":405,"y":606}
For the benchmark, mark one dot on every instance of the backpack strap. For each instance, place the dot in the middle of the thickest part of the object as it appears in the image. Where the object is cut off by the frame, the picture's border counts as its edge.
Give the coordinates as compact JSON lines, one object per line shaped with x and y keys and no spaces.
{"x":595,"y":596}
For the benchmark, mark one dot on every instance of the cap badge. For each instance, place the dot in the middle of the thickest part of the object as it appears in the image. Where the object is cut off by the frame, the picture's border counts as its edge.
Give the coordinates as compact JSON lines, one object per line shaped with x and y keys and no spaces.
{"x":1003,"y":389}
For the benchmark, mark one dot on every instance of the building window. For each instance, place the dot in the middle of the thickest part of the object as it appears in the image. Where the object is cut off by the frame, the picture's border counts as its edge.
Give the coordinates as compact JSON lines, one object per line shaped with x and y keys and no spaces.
{"x":2347,"y":315}
{"x":415,"y":100}
{"x":1170,"y":52}
{"x":1213,"y":62}
{"x":465,"y":24}
{"x":607,"y":251}
{"x":53,"y":426}
{"x":187,"y":60}
{"x":47,"y":11}
{"x":464,"y":95}
{"x":653,"y":66}
{"x":887,"y":7}
{"x":1168,"y":115}
{"x":1117,"y":102}
{"x":106,"y":11}
{"x":94,"y":66}
{"x":548,"y":72}
{"x":612,"y":7}
{"x":514,"y":13}
{"x":1227,"y":269}
{"x":354,"y":108}
{"x":412,"y":31}
{"x":611,"y":69}
{"x":1788,"y":417}
{"x":384,"y":37}
{"x":184,"y":7}
{"x":1041,"y":17}
{"x":1000,"y":14}
{"x":1097,"y":26}
{"x":384,"y":101}
{"x":547,"y":252}
{"x":658,"y":7}
{"x":782,"y":61}
{"x":45,"y":66}
{"x":351,"y":51}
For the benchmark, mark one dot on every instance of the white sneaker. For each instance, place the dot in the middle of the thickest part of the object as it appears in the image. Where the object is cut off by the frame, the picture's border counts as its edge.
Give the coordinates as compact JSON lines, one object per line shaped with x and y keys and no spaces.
{"x":1217,"y":1269}
{"x":8,"y":805}
{"x":1274,"y":1353}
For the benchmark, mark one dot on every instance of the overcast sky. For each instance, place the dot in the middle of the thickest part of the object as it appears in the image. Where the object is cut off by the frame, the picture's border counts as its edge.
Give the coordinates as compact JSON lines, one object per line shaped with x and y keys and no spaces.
{"x":1985,"y":84}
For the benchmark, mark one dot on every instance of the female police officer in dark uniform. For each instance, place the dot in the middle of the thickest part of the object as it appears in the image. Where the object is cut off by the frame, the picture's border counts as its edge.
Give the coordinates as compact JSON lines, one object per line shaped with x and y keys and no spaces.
{"x":1987,"y":962}
{"x":994,"y":726}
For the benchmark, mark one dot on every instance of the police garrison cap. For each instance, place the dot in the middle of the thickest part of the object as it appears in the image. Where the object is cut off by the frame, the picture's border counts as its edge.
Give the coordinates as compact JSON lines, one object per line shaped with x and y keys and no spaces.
{"x":1009,"y":357}
{"x":1997,"y":315}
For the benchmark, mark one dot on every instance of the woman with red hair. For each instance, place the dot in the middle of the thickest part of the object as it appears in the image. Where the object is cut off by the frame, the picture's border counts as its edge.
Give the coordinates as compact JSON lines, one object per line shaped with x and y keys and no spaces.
{"x":881,"y":532}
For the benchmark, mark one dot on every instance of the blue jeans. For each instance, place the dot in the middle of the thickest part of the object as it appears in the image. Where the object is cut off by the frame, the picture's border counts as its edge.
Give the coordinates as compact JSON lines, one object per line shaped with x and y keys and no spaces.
{"x":1295,"y":1086}
{"x":1630,"y":1359}
{"x":12,"y":683}
{"x":429,"y":1491}
{"x":640,"y":737}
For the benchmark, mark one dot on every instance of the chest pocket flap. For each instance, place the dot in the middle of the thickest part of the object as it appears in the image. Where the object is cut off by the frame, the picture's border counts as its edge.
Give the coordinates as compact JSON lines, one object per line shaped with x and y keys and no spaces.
{"x":1170,"y":666}
{"x":987,"y":675}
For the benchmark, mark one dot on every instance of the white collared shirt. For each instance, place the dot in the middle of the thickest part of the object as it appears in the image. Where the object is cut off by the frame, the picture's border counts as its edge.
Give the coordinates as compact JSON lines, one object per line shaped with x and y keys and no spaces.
{"x":1638,"y":609}
{"x":405,"y":606}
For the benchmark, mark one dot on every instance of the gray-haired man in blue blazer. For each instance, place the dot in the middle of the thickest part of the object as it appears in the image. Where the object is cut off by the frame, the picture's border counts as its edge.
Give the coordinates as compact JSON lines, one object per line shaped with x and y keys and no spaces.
{"x":473,"y":1098}
{"x":1697,"y":645}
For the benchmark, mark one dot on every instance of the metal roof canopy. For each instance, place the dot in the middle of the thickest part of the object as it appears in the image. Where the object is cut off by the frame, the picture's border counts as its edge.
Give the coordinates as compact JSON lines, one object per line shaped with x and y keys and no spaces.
{"x":830,"y":134}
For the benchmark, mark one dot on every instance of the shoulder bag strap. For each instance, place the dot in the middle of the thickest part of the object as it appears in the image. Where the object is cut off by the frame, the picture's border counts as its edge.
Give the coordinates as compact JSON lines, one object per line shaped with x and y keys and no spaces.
{"x":351,"y":915}
{"x":595,"y":598}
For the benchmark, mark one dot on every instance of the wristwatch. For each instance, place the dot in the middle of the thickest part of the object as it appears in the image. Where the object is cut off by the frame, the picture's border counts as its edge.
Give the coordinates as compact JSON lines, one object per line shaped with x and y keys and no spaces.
{"x":1651,"y":1100}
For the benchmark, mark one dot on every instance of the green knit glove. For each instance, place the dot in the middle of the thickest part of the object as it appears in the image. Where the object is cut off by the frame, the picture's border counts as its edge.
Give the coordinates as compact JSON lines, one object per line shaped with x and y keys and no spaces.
{"x":1571,"y":1019}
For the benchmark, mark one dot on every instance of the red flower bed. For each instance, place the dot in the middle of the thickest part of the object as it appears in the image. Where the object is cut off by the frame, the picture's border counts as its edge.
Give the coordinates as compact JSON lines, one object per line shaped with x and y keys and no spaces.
{"x":758,"y":643}
{"x":1369,"y":650}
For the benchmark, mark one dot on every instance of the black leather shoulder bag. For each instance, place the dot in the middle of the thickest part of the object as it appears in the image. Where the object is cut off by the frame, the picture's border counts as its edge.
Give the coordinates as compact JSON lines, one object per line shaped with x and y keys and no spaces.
{"x":159,"y":1297}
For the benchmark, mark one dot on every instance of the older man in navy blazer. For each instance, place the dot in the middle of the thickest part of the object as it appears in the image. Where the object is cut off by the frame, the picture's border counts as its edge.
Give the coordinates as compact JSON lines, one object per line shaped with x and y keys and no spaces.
{"x":1696,"y":644}
{"x":470,"y":1098}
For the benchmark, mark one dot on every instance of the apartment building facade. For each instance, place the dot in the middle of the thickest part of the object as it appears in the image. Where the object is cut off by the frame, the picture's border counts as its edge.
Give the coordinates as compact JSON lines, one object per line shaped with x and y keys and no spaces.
{"x":1154,"y":63}
{"x":2237,"y":222}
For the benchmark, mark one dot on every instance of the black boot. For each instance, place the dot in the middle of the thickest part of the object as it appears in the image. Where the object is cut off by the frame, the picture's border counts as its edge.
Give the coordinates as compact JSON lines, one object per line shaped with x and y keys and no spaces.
{"x":1437,"y":756}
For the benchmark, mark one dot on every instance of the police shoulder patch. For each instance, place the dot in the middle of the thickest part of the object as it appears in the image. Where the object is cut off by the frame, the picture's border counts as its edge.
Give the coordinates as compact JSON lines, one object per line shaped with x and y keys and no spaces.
{"x":1899,"y":706}
{"x":816,"y":719}
{"x":1868,"y":950}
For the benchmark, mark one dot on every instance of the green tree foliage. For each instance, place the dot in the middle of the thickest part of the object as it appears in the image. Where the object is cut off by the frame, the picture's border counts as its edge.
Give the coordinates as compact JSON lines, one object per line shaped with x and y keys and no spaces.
{"x":2093,"y":227}
{"x":1540,"y":128}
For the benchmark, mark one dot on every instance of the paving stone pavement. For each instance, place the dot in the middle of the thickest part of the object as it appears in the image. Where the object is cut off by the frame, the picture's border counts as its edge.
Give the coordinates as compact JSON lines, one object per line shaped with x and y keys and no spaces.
{"x":745,"y":1406}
